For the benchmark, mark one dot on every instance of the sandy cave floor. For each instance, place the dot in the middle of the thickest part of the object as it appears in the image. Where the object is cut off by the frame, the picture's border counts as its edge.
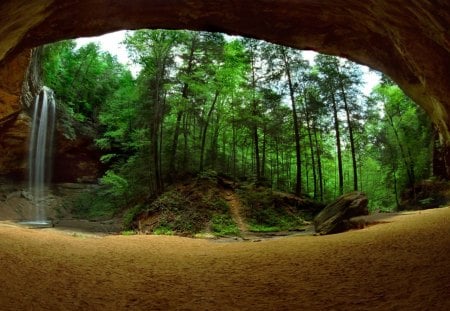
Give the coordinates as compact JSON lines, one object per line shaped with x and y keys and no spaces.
{"x":400,"y":265}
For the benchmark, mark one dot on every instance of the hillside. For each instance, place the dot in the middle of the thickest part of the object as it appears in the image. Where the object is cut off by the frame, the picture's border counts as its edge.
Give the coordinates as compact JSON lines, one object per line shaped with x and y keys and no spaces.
{"x":210,"y":205}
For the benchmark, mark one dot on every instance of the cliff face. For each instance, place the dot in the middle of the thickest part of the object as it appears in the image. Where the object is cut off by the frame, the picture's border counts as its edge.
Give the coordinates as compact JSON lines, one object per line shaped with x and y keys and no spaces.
{"x":15,"y":123}
{"x":75,"y":159}
{"x":407,"y":40}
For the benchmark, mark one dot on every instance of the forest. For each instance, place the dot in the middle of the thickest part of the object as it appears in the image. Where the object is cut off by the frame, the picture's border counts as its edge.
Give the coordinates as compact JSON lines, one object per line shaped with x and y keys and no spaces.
{"x":255,"y":112}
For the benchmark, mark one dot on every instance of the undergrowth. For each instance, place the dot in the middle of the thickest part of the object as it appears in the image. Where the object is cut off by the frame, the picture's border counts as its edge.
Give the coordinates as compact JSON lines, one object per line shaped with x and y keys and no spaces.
{"x":223,"y":225}
{"x":266,"y":213}
{"x":187,"y":209}
{"x":93,"y":206}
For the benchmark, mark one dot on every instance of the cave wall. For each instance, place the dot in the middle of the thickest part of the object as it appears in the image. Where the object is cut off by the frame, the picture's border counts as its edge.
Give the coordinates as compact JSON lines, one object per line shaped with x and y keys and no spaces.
{"x":409,"y":40}
{"x":14,"y":121}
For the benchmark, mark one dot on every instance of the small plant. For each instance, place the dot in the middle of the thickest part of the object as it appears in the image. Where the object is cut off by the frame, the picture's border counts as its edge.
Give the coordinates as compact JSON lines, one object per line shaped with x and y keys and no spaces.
{"x":94,"y":206}
{"x":223,"y":225}
{"x":128,"y":232}
{"x":129,"y":216}
{"x":208,"y":175}
{"x":262,"y":228}
{"x":163,"y":230}
{"x":266,"y":213}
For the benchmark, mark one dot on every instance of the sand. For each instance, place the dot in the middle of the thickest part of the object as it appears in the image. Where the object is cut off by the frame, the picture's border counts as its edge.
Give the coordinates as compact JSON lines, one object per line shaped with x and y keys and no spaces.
{"x":400,"y":265}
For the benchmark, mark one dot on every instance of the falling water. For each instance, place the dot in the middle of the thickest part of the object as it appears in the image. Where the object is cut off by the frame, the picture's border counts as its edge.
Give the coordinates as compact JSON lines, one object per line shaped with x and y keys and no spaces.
{"x":41,"y":151}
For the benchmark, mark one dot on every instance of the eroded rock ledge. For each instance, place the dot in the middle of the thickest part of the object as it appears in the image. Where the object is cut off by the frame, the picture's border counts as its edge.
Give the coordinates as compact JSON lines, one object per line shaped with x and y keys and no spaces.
{"x":408,"y":40}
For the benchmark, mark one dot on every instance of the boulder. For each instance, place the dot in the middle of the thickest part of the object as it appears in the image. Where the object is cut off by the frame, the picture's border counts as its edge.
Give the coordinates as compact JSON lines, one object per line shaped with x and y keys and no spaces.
{"x":334,"y":217}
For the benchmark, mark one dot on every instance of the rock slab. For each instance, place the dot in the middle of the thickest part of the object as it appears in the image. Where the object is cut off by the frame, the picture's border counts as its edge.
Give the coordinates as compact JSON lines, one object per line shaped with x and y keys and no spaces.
{"x":334,"y":217}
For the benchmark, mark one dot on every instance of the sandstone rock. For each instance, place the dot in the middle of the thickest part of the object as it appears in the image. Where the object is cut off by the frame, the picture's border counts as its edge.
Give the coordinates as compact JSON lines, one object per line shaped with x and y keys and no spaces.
{"x":424,"y":195}
{"x":333,"y":218}
{"x":76,"y":158}
{"x":17,"y":92}
{"x":303,"y":204}
{"x":14,"y":147}
{"x":12,"y":76}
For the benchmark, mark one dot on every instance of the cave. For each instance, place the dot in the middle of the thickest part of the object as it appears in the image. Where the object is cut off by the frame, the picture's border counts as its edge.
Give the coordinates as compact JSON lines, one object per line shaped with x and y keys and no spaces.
{"x":408,"y":41}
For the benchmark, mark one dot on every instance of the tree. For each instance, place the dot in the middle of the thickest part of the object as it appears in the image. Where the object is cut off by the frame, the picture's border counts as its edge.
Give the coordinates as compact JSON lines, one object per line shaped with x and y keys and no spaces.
{"x":154,"y":51}
{"x":289,"y":63}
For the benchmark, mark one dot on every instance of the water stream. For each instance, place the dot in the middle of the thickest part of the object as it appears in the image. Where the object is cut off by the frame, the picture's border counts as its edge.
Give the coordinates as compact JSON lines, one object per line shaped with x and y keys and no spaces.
{"x":40,"y":157}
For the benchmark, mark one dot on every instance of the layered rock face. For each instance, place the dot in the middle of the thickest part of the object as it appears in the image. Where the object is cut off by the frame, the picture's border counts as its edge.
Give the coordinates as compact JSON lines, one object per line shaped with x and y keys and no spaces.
{"x":76,"y":159}
{"x":407,"y":40}
{"x":15,"y":123}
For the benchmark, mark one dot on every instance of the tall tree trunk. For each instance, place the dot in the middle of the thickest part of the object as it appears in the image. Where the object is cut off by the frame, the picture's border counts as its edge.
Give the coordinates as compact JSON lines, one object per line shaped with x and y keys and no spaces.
{"x":234,"y":151}
{"x":319,"y":160}
{"x":185,"y":141}
{"x":205,"y":130}
{"x":352,"y":140}
{"x":257,"y":159}
{"x":254,"y":122}
{"x":338,"y":146}
{"x":311,"y":147}
{"x":409,"y":164}
{"x":215,"y":142}
{"x":184,"y":96}
{"x":263,"y":160}
{"x":277,"y":162}
{"x":287,"y":68}
{"x":158,"y":115}
{"x":161,"y":127}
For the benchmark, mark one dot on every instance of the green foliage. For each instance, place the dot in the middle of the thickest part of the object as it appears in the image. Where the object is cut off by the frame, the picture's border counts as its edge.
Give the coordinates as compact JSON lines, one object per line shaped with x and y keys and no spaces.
{"x":91,"y":205}
{"x":117,"y":185}
{"x":163,"y":230}
{"x":190,"y":210}
{"x":223,"y":225}
{"x":83,"y":78}
{"x":265,"y":213}
{"x":209,"y":175}
{"x":214,"y":106}
{"x":402,"y":146}
{"x":129,"y":216}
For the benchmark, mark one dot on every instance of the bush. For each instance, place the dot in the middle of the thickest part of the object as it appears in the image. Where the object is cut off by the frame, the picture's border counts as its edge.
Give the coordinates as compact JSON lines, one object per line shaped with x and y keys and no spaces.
{"x":91,"y":205}
{"x":189,"y":209}
{"x":130,"y":215}
{"x":265,"y":213}
{"x":223,"y":225}
{"x":162,"y":230}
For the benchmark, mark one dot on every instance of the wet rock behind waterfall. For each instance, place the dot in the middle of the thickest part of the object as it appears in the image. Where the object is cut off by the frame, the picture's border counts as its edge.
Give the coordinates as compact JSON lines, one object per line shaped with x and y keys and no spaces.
{"x":334,"y":217}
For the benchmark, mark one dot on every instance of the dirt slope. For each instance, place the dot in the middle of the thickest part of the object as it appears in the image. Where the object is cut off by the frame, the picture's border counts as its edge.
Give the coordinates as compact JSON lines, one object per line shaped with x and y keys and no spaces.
{"x":235,"y":209}
{"x":400,"y":265}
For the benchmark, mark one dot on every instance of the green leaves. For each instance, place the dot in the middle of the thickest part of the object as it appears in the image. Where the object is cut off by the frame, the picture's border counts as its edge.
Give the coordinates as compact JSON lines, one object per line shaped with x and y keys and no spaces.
{"x":205,"y":101}
{"x":118,"y":186}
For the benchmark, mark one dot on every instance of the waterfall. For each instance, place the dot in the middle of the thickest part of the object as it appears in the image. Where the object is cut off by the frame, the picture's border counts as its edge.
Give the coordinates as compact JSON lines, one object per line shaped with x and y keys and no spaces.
{"x":41,"y":151}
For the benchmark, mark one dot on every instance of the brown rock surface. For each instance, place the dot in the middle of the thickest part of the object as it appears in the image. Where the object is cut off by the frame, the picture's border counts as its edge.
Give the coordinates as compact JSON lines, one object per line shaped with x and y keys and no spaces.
{"x":334,"y":217}
{"x":76,"y":159}
{"x":12,"y":75}
{"x":13,"y":145}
